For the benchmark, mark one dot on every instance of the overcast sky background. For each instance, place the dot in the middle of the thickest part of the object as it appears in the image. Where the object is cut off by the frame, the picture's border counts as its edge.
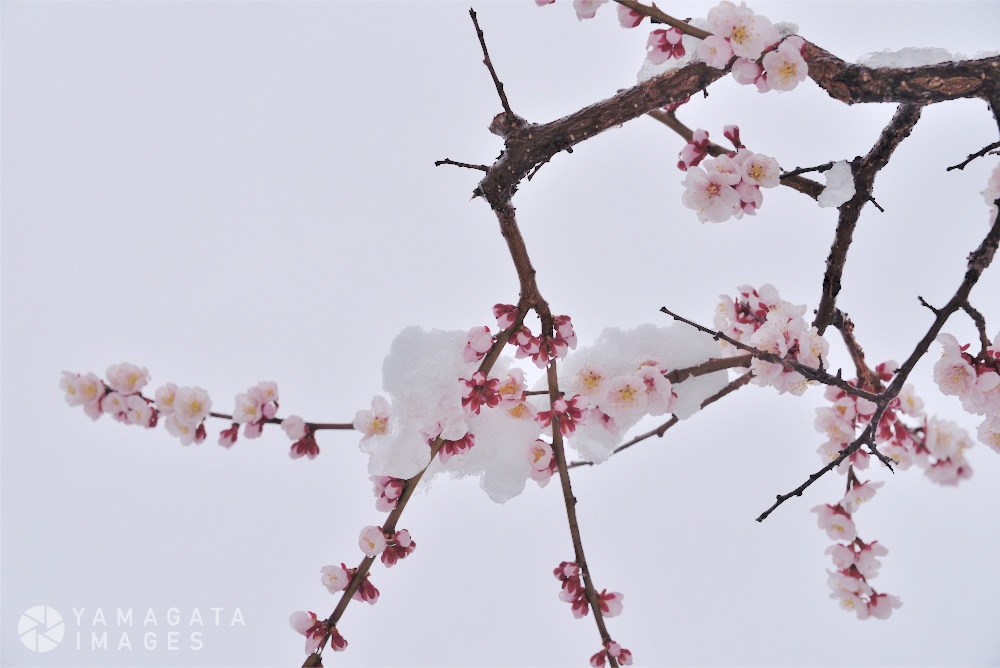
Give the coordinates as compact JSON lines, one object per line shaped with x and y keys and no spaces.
{"x":234,"y":192}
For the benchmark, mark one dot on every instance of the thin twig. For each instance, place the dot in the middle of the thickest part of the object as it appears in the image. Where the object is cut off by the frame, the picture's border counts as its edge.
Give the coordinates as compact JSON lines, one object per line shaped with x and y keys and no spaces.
{"x":977,"y":317}
{"x":805,"y":170}
{"x":489,"y":64}
{"x":658,"y":16}
{"x":978,"y":154}
{"x":449,"y":161}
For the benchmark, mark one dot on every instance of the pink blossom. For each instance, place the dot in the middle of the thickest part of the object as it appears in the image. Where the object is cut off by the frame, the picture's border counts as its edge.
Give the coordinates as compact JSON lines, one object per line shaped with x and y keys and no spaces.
{"x":165,"y":398}
{"x":366,"y":592}
{"x":191,"y":405}
{"x":587,"y":9}
{"x":114,"y":405}
{"x":139,"y":410}
{"x":660,"y":395}
{"x":564,"y":333}
{"x":175,"y":427}
{"x":694,"y":151}
{"x":312,"y":628}
{"x":568,"y":412}
{"x":880,"y":606}
{"x":227,"y":437}
{"x":456,"y":447}
{"x":746,"y":72}
{"x":709,"y":196}
{"x":747,"y":33}
{"x":599,"y":659}
{"x":989,"y":432}
{"x":398,"y":548}
{"x":372,"y":541}
{"x":785,"y":67}
{"x":478,"y":391}
{"x":610,"y":602}
{"x":725,"y":167}
{"x":858,"y":495}
{"x":294,"y":427}
{"x":248,"y":408}
{"x":542,"y":3}
{"x":663,"y":45}
{"x":387,"y":491}
{"x":506,"y":315}
{"x":543,"y":462}
{"x":126,"y":378}
{"x":374,"y":422}
{"x":527,"y":344}
{"x":335,"y":578}
{"x":865,"y":560}
{"x":622,"y":655}
{"x":761,"y":170}
{"x":732,"y":133}
{"x":628,"y":18}
{"x":512,"y":389}
{"x":306,"y":445}
{"x":337,"y":641}
{"x":837,"y":523}
{"x":715,"y":51}
{"x":626,"y":397}
{"x":591,"y":382}
{"x":477,"y":344}
{"x":254,"y":429}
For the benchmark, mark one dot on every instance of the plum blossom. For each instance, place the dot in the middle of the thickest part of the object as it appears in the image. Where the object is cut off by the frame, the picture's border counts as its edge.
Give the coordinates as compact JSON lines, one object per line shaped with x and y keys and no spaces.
{"x":587,"y":9}
{"x":626,"y":397}
{"x":478,"y":391}
{"x":748,"y":34}
{"x":715,"y":51}
{"x":610,"y":603}
{"x":372,"y":541}
{"x":302,"y":436}
{"x":709,"y":195}
{"x":506,"y":315}
{"x":694,"y":151}
{"x":387,"y":491}
{"x":335,"y":578}
{"x":398,"y":547}
{"x":479,"y":342}
{"x":543,"y":462}
{"x":629,"y":18}
{"x":311,"y":627}
{"x":460,"y":446}
{"x":126,"y":378}
{"x":227,"y":437}
{"x":663,"y":45}
{"x":835,"y":521}
{"x":86,"y":391}
{"x":784,"y":67}
{"x":374,"y":422}
{"x":568,"y":412}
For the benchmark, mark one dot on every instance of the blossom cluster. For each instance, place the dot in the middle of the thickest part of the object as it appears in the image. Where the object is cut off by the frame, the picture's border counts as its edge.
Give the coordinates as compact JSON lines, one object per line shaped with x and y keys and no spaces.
{"x":615,"y":651}
{"x":184,"y":408}
{"x":726,"y":186}
{"x":387,"y":491}
{"x":855,"y":561}
{"x":975,"y":381}
{"x":339,"y":578}
{"x":302,"y":436}
{"x":936,"y":446}
{"x":574,"y":592}
{"x":374,"y":542}
{"x":760,"y":318}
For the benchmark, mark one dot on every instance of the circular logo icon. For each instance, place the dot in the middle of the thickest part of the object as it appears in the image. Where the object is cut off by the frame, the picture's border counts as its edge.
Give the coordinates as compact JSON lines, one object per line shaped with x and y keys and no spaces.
{"x":41,"y":628}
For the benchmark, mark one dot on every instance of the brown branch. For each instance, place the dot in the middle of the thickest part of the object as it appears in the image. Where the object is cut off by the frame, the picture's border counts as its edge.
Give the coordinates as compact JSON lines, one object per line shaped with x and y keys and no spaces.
{"x":808,"y":372}
{"x":662,"y":429}
{"x":449,"y":161}
{"x":869,"y":380}
{"x":658,"y":16}
{"x":852,"y":84}
{"x":978,"y":154}
{"x":489,"y":64}
{"x":979,"y":260}
{"x":314,"y":426}
{"x":864,"y":170}
{"x":389,"y":527}
{"x":977,"y":317}
{"x":570,"y":502}
{"x":708,"y":366}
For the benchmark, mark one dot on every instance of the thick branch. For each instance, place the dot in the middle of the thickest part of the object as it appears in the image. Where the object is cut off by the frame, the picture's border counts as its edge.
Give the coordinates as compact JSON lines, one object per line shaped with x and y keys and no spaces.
{"x":896,"y":131}
{"x":918,"y":85}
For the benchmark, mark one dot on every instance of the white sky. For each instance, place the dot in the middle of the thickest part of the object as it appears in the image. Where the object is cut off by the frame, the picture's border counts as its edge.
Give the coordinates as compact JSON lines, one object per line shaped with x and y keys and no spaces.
{"x":231,"y":192}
